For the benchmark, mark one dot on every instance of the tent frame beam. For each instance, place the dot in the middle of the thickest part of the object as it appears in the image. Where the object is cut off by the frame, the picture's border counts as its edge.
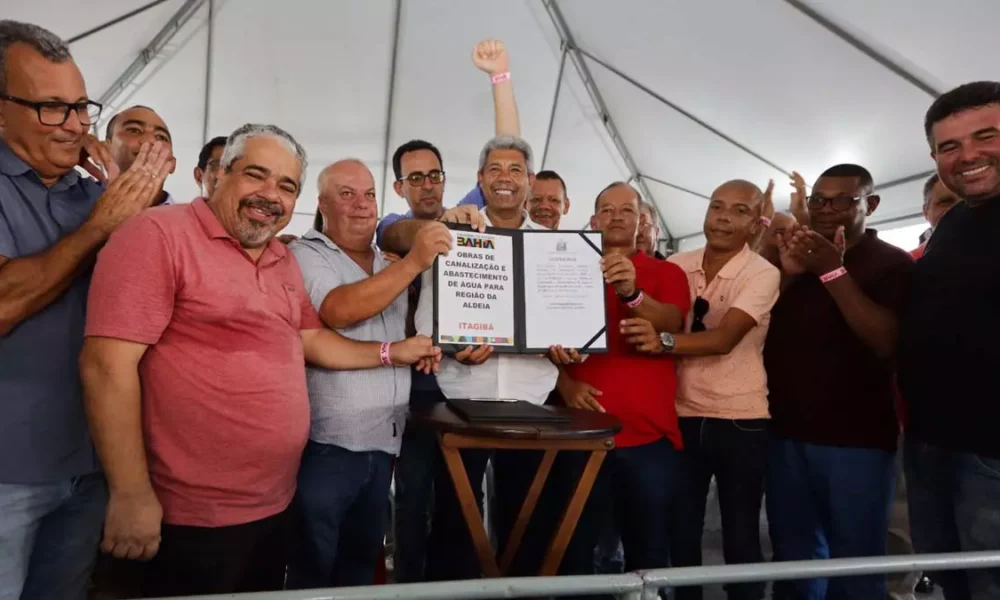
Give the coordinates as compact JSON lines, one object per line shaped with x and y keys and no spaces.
{"x":555,"y":105}
{"x":150,"y":51}
{"x":864,"y":48}
{"x":111,"y":23}
{"x":386,"y":155}
{"x":208,"y":73}
{"x":568,"y":42}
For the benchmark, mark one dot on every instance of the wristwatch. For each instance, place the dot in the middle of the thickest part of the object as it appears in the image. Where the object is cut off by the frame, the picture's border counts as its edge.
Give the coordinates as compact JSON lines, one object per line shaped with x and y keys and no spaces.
{"x":667,"y":339}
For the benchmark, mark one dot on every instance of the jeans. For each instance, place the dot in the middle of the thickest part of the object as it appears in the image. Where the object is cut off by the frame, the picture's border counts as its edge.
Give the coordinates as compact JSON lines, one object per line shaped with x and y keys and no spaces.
{"x":414,"y":475}
{"x":900,"y":585}
{"x":828,"y":502}
{"x":953,"y":508}
{"x":49,"y":536}
{"x":342,"y":500}
{"x":735,"y":453}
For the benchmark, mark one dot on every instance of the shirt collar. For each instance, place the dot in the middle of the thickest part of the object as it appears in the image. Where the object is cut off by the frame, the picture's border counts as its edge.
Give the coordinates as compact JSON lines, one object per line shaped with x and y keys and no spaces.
{"x":321,"y":237}
{"x":526,"y":222}
{"x":12,"y":165}
{"x":214,"y":229}
{"x":729,"y":270}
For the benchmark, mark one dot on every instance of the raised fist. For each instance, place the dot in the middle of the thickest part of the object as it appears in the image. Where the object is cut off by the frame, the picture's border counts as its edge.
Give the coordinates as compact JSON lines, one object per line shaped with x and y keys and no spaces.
{"x":490,"y":56}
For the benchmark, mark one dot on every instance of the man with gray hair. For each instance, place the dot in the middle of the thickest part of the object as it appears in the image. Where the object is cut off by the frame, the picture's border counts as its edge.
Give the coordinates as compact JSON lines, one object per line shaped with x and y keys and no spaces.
{"x":52,"y":222}
{"x":198,"y":327}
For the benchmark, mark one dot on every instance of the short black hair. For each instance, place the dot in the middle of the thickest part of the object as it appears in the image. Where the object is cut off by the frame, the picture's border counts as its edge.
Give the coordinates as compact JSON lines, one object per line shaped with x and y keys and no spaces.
{"x":206,"y":151}
{"x":865,"y":180}
{"x":549,"y":175}
{"x":965,"y":97}
{"x":638,"y":196}
{"x":110,"y":129}
{"x":411,"y":146}
{"x":928,"y":188}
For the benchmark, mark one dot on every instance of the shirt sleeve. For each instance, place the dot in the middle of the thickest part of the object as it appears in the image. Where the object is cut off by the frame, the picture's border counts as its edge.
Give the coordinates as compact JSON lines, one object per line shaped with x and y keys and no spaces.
{"x":474,"y":197}
{"x":386,"y":221}
{"x":672,"y":287}
{"x":423,"y":318}
{"x":758,"y":292}
{"x":893,"y":286}
{"x":134,"y":285}
{"x":319,"y":275}
{"x":310,"y":318}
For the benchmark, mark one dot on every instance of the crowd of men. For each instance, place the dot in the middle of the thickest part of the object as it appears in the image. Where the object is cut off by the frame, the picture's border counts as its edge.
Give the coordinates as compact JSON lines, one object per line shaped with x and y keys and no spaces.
{"x":181,"y":387}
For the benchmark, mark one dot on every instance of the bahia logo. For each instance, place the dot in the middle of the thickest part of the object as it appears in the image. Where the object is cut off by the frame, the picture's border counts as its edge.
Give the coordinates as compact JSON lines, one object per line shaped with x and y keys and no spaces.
{"x":469,"y":242}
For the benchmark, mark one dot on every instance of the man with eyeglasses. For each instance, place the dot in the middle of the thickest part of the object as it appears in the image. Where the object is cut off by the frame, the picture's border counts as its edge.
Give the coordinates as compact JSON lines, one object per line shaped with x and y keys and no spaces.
{"x":420,"y":179}
{"x":206,"y":173}
{"x":721,"y":383}
{"x":52,"y":222}
{"x":831,"y":458}
{"x":127,"y":131}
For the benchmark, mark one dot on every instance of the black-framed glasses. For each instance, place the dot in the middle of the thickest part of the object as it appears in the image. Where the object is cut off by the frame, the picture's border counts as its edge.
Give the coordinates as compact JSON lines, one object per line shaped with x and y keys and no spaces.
{"x":700,"y":309}
{"x":837,"y":203}
{"x":417,"y":178}
{"x":54,"y":114}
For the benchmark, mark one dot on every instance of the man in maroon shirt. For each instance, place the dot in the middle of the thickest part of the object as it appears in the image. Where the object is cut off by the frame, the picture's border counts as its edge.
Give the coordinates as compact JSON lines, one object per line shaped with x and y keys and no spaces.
{"x":831,"y":394}
{"x":198,"y":326}
{"x":636,"y":481}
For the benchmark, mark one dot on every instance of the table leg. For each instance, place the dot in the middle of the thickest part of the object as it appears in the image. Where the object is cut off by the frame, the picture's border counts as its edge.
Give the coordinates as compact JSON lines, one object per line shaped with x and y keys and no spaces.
{"x":473,"y":519}
{"x":527,"y":508}
{"x":557,"y":547}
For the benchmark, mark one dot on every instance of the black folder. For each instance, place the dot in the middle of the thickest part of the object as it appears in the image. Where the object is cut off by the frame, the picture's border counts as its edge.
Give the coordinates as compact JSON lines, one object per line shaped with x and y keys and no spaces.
{"x":488,"y":411}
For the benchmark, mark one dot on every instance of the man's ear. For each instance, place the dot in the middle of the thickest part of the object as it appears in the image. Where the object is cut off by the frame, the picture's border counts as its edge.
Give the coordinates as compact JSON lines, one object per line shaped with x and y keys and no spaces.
{"x":873,"y":202}
{"x":566,"y":206}
{"x":531,"y":179}
{"x":593,"y":222}
{"x":198,"y":175}
{"x":397,"y":187}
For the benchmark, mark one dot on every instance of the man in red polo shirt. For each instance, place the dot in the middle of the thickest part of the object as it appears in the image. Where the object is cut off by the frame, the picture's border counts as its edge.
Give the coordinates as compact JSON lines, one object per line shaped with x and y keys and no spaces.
{"x":636,"y":481}
{"x":198,"y":329}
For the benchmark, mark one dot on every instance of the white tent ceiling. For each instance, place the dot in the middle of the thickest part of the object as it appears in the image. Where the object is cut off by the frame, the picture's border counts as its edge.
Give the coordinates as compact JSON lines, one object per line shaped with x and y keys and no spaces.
{"x":684,"y":94}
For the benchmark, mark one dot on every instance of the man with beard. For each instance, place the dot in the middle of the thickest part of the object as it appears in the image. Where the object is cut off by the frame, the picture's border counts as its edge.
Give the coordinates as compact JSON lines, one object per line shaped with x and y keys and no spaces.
{"x":948,"y":353}
{"x":198,"y":326}
{"x":420,"y":179}
{"x":638,"y":481}
{"x":938,"y":200}
{"x":129,"y":130}
{"x":357,"y":417}
{"x":52,"y":223}
{"x":722,"y":387}
{"x":548,"y":201}
{"x":831,"y":388}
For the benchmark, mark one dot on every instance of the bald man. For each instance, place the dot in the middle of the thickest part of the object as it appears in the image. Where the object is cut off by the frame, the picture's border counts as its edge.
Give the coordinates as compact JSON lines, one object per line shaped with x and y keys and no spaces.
{"x":128,"y":130}
{"x":722,"y":388}
{"x":357,"y":416}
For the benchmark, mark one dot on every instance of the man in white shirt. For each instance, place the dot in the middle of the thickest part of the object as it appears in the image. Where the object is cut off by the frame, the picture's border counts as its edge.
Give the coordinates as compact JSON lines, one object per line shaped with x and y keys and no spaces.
{"x":505,"y":176}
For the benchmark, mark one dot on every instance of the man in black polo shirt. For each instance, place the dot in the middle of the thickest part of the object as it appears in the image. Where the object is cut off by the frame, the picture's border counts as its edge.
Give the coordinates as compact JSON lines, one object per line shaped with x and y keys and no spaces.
{"x":831,"y":470}
{"x":949,"y":358}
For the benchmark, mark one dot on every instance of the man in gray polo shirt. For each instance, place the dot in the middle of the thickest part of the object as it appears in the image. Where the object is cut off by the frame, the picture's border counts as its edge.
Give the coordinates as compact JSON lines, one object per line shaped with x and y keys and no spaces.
{"x":357,"y":416}
{"x":52,"y":221}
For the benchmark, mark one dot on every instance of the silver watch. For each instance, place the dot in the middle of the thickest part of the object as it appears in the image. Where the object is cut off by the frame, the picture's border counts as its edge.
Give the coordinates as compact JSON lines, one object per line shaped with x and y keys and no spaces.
{"x":667,"y":339}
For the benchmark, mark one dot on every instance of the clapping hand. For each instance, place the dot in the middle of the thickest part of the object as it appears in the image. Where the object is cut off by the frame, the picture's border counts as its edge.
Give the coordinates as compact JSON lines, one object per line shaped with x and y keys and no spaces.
{"x":798,"y":204}
{"x":817,"y":254}
{"x":96,"y":159}
{"x":134,"y":190}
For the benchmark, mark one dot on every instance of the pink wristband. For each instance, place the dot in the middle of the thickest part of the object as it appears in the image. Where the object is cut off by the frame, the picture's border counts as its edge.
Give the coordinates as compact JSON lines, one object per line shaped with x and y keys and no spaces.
{"x":828,"y":277}
{"x":638,"y":300}
{"x":766,"y":221}
{"x":383,"y":354}
{"x":500,"y":77}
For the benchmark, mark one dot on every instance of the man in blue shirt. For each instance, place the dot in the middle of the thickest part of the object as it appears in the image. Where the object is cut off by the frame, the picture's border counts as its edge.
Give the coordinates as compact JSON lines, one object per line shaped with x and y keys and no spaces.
{"x":52,"y":222}
{"x":420,"y":179}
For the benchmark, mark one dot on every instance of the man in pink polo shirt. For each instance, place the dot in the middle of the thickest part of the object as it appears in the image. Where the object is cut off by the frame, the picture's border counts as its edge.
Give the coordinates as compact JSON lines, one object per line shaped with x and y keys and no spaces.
{"x":198,"y":329}
{"x":721,"y":384}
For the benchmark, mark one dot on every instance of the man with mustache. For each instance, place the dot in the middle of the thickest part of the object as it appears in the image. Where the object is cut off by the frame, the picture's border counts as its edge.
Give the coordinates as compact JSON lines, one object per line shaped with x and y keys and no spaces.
{"x":831,"y":391}
{"x":548,"y":201}
{"x":198,"y":326}
{"x":357,"y":417}
{"x":947,"y":352}
{"x":721,"y":384}
{"x":420,"y":179}
{"x":52,"y":223}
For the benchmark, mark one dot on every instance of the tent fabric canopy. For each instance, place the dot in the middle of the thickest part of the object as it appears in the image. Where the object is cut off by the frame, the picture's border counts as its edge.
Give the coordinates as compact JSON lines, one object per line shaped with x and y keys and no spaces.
{"x":674,"y":97}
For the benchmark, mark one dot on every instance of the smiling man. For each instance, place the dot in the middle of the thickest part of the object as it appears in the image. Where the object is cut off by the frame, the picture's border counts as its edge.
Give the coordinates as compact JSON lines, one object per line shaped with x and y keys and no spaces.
{"x":948,"y":353}
{"x":548,"y":201}
{"x":198,"y":328}
{"x":126,"y":133}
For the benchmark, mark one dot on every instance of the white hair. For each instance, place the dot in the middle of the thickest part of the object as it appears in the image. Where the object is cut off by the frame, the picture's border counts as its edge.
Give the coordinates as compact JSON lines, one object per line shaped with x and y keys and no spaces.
{"x":506,"y":142}
{"x":236,"y":146}
{"x":43,"y":41}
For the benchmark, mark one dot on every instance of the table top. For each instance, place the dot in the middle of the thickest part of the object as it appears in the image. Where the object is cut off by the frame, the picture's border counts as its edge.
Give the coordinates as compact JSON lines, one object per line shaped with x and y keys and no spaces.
{"x":583,"y":425}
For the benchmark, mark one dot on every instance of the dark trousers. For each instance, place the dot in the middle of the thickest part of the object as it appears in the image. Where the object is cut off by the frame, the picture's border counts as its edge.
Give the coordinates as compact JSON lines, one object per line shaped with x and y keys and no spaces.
{"x":828,"y":502}
{"x":221,"y":560}
{"x":735,"y":453}
{"x":342,"y":500}
{"x":415,"y":469}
